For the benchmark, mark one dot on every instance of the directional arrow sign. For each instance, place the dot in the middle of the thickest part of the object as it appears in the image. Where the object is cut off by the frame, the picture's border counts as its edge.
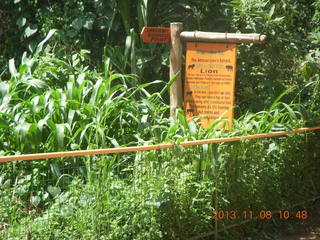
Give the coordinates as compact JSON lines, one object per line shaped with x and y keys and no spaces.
{"x":155,"y":35}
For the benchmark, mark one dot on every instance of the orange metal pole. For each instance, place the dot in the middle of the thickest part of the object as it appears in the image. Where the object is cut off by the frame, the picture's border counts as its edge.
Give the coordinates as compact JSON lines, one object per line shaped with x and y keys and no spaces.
{"x":38,"y":156}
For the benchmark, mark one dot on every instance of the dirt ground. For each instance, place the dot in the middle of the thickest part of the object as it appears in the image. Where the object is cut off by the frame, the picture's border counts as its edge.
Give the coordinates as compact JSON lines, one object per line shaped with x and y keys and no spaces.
{"x":307,"y":230}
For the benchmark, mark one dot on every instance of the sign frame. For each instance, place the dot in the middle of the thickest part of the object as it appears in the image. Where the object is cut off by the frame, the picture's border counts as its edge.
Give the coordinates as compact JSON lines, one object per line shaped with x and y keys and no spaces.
{"x":210,"y":76}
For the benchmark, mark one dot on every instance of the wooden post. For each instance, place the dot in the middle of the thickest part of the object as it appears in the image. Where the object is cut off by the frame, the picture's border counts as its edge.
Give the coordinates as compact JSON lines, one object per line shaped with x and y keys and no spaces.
{"x":175,"y":67}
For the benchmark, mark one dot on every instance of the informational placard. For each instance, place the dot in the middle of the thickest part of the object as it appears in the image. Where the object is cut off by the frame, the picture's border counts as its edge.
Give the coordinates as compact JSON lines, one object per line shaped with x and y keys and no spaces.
{"x":155,"y":35}
{"x":210,"y":82}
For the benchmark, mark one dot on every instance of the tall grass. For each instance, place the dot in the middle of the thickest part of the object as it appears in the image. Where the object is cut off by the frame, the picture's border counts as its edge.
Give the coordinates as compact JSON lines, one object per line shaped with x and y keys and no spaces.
{"x":170,"y":194}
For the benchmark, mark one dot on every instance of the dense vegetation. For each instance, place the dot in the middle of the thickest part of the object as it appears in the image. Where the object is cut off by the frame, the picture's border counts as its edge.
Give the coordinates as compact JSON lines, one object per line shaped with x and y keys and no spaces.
{"x":75,"y":75}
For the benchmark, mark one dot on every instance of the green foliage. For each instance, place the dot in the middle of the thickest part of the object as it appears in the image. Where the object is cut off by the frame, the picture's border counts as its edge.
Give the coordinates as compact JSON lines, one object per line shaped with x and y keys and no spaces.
{"x":269,"y":69}
{"x":160,"y":194}
{"x":94,"y":25}
{"x":72,"y":106}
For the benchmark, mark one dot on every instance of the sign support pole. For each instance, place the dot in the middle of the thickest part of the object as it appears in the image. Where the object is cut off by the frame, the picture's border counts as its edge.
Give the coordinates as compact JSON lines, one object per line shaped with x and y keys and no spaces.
{"x":175,"y":67}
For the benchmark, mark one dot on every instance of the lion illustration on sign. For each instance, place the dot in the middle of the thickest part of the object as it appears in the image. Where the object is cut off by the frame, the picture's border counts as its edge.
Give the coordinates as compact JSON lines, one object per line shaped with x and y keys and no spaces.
{"x":191,"y":66}
{"x":229,"y":68}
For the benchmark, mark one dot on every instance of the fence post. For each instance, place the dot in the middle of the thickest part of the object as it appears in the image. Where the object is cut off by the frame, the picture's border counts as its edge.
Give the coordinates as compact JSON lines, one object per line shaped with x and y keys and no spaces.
{"x":175,"y":67}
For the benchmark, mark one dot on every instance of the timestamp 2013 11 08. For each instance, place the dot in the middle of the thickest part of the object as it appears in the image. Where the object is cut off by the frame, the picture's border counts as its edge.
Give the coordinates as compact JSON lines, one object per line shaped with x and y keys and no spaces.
{"x":263,"y":214}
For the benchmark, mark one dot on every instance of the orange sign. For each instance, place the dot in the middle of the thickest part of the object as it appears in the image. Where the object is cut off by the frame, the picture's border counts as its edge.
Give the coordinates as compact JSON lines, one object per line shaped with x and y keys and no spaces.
{"x":210,"y":82}
{"x":155,"y":35}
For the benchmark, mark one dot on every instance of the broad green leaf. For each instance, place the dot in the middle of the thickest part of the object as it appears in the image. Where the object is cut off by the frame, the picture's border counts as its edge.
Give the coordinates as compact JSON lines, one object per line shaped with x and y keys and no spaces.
{"x":114,"y":142}
{"x":291,"y":112}
{"x":30,"y":30}
{"x":277,"y":101}
{"x":172,"y":129}
{"x":128,"y":44}
{"x":95,"y":95}
{"x":278,"y":19}
{"x":35,"y":200}
{"x":182,"y":119}
{"x":271,"y":12}
{"x":55,"y":170}
{"x":171,"y":81}
{"x":40,"y":45}
{"x":71,"y":114}
{"x":3,"y":123}
{"x":193,"y":128}
{"x":60,"y":134}
{"x":144,"y":118}
{"x":12,"y":68}
{"x":75,"y":146}
{"x":24,"y":58}
{"x":77,"y":23}
{"x":36,"y":83}
{"x":21,"y":21}
{"x":22,"y":189}
{"x":101,"y":134}
{"x":83,"y":130}
{"x":32,"y":46}
{"x":88,"y":24}
{"x":272,"y":148}
{"x":23,"y":69}
{"x":42,"y":123}
{"x":4,"y":89}
{"x":80,"y":78}
{"x":75,"y":60}
{"x":54,"y":191}
{"x":22,"y":130}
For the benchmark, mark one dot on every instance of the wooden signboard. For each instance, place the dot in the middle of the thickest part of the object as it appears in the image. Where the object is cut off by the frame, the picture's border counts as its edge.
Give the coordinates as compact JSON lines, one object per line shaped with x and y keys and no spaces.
{"x":155,"y":35}
{"x":210,"y":81}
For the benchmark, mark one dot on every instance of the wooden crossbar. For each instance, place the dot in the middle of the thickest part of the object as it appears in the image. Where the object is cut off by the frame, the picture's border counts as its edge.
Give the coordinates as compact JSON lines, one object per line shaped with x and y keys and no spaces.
{"x":216,"y":37}
{"x":38,"y":156}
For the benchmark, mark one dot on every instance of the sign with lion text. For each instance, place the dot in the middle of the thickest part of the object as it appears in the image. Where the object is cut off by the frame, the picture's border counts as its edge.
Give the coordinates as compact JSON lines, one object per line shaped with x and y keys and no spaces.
{"x":210,"y":82}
